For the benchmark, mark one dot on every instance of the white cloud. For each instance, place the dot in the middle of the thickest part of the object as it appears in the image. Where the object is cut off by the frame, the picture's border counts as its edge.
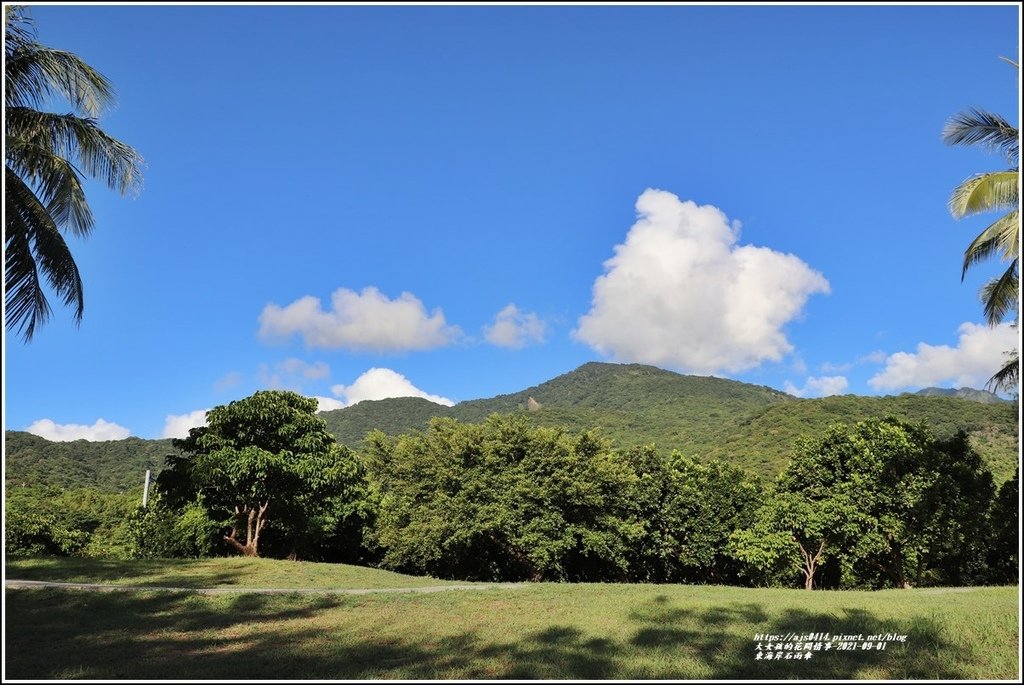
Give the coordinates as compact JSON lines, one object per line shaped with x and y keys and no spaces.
{"x":327,"y":403}
{"x":178,"y":425}
{"x":379,"y":384}
{"x":515,"y":329}
{"x":979,"y":353}
{"x":366,"y":321}
{"x":66,"y":432}
{"x":292,"y":374}
{"x":680,"y":292}
{"x":819,"y":386}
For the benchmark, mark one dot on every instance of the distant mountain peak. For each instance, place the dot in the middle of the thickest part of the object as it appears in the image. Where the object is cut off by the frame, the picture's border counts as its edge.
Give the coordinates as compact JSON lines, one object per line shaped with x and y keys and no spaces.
{"x":969,"y":394}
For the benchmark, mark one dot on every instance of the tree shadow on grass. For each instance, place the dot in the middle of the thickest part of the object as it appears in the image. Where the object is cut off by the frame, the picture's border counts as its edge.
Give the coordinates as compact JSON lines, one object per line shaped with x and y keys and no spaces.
{"x":153,"y":572}
{"x":152,"y":636}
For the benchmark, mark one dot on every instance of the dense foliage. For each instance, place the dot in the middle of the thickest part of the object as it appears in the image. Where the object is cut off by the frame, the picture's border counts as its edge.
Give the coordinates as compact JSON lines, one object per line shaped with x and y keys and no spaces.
{"x":870,"y":504}
{"x":265,"y":466}
{"x":73,"y":522}
{"x":501,"y":500}
{"x":883,"y":504}
{"x":108,"y":466}
{"x":752,"y":427}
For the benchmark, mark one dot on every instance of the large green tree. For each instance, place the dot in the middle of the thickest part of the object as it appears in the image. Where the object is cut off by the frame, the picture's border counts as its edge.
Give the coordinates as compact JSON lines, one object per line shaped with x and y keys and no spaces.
{"x":48,"y":157}
{"x":266,"y":459}
{"x":883,"y":501}
{"x":681,"y":513}
{"x":994,"y":191}
{"x":499,"y":501}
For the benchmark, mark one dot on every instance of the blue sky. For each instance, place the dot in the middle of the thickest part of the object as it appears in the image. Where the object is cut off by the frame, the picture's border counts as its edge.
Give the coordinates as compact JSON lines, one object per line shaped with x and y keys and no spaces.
{"x":462,"y":201}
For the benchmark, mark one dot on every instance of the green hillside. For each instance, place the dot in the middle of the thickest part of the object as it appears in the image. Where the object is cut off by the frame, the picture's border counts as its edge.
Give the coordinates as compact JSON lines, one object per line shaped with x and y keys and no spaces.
{"x":394,"y":416}
{"x":631,"y":403}
{"x":752,"y":426}
{"x":983,"y":396}
{"x":763,"y":444}
{"x":109,"y":466}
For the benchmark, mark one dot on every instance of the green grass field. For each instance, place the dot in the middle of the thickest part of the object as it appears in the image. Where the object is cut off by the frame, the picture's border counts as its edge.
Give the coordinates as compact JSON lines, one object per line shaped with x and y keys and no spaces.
{"x":548,"y":631}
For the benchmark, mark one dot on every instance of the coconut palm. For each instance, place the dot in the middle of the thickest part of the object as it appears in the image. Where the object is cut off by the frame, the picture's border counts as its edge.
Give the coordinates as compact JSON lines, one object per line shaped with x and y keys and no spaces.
{"x":48,"y":156}
{"x":988,"y":192}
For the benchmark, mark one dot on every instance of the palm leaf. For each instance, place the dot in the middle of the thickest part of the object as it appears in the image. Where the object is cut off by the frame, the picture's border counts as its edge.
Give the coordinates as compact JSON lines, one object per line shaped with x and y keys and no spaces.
{"x":999,"y":296}
{"x":48,"y":156}
{"x":1001,"y":236}
{"x":55,"y":181}
{"x":978,"y":127}
{"x":100,"y":155}
{"x":985,"y":192}
{"x":1008,"y":377}
{"x":34,"y":72}
{"x":34,"y":244}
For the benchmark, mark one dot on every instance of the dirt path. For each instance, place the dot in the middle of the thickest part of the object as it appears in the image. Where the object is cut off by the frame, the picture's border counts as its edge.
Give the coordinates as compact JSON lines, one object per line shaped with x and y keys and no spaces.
{"x":98,"y":587}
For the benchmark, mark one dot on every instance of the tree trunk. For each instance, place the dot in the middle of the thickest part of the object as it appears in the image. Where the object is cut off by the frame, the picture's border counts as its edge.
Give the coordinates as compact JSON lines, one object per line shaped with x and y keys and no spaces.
{"x":255,"y":520}
{"x":810,"y":564}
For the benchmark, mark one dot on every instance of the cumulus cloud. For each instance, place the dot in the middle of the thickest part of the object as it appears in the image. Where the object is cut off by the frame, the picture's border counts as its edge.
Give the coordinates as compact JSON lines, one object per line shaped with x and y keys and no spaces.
{"x":681,"y":292}
{"x":178,"y":425}
{"x":292,"y":374}
{"x":364,"y":321}
{"x":66,"y":432}
{"x":819,"y":386}
{"x":515,"y":329}
{"x":379,"y":384}
{"x":979,"y":352}
{"x":327,"y":403}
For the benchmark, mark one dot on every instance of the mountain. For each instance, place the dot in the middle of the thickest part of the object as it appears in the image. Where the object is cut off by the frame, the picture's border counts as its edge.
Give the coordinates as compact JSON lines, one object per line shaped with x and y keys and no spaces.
{"x":983,"y":396}
{"x":763,"y":443}
{"x":631,"y":403}
{"x":110,"y":466}
{"x":752,"y":426}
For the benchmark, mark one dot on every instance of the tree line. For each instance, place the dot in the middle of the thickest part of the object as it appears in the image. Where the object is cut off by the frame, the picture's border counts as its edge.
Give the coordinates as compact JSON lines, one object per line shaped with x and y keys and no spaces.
{"x":879,"y":504}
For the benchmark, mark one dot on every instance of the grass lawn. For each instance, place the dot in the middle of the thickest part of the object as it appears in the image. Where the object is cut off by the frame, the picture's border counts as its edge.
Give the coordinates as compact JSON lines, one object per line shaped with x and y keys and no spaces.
{"x":214,"y":573}
{"x":550,"y":631}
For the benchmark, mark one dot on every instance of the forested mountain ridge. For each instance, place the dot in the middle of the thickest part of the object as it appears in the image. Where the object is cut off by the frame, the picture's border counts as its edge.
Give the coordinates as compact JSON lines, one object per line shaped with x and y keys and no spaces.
{"x":631,"y":403}
{"x":109,"y":465}
{"x":751,"y":426}
{"x":983,"y":396}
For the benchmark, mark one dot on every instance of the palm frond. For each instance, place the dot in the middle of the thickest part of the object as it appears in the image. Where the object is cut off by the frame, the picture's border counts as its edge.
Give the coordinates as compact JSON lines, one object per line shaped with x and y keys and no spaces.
{"x":100,"y":155}
{"x":25,"y":305}
{"x":34,"y":72}
{"x":978,"y":127}
{"x":33,"y":245}
{"x":55,"y":181}
{"x":992,"y":191}
{"x":999,"y":296}
{"x":1008,"y":377}
{"x":18,"y":28}
{"x":48,"y":155}
{"x":1001,"y":236}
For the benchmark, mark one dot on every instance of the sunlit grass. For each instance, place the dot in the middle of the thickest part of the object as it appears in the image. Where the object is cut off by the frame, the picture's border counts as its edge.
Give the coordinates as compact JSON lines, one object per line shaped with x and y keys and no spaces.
{"x":546,"y":631}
